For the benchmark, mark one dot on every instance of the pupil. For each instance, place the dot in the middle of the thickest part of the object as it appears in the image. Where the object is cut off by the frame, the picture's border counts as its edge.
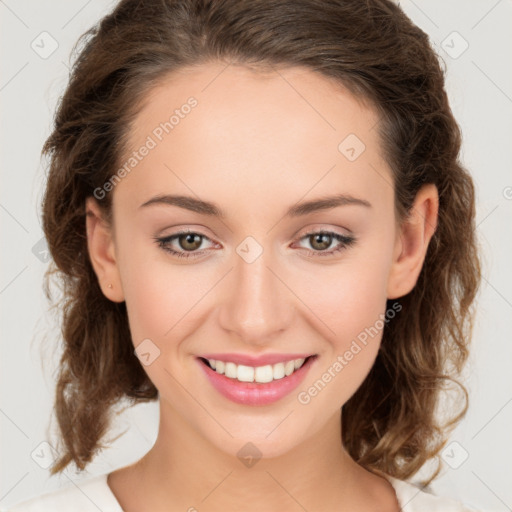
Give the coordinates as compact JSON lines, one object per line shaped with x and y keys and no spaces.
{"x":319,"y":238}
{"x":189,"y":239}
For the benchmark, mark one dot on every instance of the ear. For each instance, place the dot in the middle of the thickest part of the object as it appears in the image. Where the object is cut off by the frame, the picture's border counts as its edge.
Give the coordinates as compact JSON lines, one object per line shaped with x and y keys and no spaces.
{"x":101,"y":248}
{"x":412,"y":242}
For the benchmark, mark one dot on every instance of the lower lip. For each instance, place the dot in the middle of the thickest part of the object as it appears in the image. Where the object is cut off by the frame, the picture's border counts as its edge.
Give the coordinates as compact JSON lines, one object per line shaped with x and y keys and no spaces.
{"x":253,"y":393}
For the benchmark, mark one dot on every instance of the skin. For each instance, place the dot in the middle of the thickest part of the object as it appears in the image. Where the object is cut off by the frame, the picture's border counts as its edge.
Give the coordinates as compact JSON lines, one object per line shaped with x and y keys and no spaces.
{"x":255,"y":144}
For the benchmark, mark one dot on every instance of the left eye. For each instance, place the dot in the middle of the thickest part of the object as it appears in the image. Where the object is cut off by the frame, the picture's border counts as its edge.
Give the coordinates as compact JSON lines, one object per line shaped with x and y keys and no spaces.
{"x":191,"y":241}
{"x":323,"y":239}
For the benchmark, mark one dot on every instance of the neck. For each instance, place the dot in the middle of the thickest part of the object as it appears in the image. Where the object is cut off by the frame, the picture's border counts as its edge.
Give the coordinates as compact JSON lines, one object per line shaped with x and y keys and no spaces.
{"x":184,"y":471}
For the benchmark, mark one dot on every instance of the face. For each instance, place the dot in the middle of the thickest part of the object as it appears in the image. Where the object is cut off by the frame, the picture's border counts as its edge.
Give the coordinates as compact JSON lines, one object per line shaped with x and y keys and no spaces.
{"x":255,"y":275}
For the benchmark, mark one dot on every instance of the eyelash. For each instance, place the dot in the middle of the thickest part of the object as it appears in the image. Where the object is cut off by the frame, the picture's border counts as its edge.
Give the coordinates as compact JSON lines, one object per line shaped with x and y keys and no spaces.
{"x":345,"y":241}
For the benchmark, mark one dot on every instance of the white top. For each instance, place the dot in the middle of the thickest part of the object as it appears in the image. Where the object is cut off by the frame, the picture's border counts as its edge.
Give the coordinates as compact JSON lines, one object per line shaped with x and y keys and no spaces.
{"x":94,"y":494}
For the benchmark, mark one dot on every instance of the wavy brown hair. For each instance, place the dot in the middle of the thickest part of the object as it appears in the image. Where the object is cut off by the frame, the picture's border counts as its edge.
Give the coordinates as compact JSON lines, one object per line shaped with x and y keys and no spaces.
{"x":391,"y":424}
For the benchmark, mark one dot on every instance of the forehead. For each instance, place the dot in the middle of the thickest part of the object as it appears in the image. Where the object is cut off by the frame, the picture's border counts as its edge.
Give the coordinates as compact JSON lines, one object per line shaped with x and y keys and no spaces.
{"x":264,"y":132}
{"x":286,"y":102}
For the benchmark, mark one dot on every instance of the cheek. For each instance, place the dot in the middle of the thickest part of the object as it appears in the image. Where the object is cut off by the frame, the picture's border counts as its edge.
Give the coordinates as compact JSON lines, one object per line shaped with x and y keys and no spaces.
{"x":353,"y":314}
{"x":157,"y":300}
{"x":165,"y":300}
{"x":347,"y":298}
{"x":349,"y":306}
{"x":160,"y":294}
{"x":154,"y":291}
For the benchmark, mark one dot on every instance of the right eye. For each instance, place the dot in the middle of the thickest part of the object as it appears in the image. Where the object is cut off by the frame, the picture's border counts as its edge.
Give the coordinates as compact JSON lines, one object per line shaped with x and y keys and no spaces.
{"x":189,"y":241}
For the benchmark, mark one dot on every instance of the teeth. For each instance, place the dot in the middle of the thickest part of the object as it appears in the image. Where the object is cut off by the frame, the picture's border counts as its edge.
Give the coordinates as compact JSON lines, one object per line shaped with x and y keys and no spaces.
{"x":219,"y":367}
{"x":261,"y":374}
{"x":289,"y":367}
{"x":230,"y":370}
{"x":264,"y":373}
{"x":244,"y":373}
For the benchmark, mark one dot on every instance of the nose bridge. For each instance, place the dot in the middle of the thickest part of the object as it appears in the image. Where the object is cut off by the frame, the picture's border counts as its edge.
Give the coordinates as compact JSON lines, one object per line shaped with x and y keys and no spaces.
{"x":258,"y":305}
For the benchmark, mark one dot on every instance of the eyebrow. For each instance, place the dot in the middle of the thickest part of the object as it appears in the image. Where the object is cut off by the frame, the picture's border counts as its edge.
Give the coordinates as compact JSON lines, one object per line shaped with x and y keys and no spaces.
{"x":297,"y":210}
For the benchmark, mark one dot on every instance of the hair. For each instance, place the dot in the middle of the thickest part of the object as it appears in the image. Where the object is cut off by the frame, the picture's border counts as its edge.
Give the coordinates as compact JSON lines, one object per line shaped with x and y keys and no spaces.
{"x":391,"y":424}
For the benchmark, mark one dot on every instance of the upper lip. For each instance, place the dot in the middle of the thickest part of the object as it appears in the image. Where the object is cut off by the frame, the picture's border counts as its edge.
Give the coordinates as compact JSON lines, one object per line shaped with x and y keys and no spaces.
{"x":249,"y":360}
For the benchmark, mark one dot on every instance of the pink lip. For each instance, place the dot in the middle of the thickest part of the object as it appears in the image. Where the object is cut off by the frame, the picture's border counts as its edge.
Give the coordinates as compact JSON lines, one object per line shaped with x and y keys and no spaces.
{"x":253,"y":393}
{"x":248,"y":360}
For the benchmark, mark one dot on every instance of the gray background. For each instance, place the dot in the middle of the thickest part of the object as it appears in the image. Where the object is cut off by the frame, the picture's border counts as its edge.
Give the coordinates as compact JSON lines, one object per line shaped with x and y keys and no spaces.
{"x":34,"y":74}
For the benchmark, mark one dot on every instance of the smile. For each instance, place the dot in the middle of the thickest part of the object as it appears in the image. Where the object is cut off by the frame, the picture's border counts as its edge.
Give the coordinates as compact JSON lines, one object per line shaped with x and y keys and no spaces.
{"x":255,"y":385}
{"x":261,"y":374}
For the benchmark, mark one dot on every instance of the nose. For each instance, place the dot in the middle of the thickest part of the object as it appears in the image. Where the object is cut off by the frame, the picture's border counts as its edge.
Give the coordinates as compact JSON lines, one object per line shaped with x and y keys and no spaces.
{"x":259,"y":305}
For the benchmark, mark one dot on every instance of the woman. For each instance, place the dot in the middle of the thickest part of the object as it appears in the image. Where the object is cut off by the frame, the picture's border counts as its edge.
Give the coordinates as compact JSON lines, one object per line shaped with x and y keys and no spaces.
{"x":259,"y":218}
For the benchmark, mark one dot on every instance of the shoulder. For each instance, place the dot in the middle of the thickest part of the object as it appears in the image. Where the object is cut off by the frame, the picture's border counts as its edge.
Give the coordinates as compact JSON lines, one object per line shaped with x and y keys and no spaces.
{"x":88,"y":495}
{"x":413,"y":499}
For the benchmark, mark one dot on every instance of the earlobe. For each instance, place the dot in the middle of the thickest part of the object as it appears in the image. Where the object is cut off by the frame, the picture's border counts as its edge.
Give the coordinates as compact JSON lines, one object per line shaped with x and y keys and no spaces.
{"x":100,"y":245}
{"x":412,"y":242}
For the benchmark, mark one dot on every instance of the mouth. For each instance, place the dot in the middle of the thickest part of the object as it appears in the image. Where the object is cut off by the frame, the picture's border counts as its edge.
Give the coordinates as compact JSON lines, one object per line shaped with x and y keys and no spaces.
{"x":259,"y":374}
{"x":256,"y":385}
